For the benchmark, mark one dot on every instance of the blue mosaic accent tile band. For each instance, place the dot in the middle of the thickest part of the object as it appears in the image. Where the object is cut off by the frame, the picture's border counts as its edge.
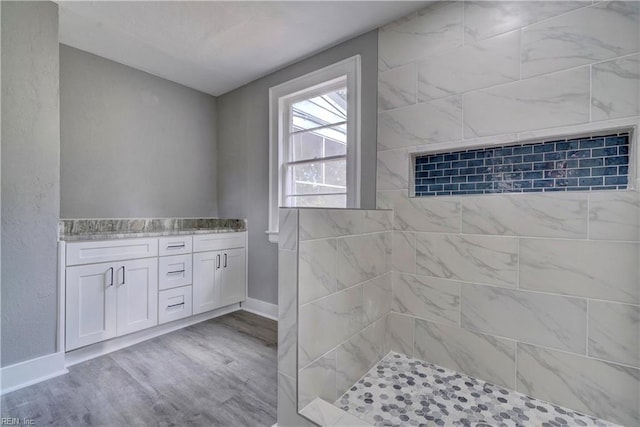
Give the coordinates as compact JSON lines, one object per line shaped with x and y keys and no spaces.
{"x":593,"y":163}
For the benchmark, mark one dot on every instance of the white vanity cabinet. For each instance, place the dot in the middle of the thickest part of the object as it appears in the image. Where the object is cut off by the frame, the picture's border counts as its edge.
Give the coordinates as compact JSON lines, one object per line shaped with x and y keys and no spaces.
{"x":109,"y":299}
{"x":120,"y":286}
{"x":219,"y":271}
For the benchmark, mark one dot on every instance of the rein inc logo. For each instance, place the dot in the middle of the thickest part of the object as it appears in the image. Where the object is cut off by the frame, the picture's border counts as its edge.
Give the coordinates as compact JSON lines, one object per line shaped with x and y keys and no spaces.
{"x":7,"y":421}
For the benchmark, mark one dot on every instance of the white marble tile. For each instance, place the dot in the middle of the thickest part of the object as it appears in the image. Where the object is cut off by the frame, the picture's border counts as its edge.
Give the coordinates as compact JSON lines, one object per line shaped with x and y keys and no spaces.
{"x":325,"y":323}
{"x":483,"y":356}
{"x":397,"y":87}
{"x":287,"y":404}
{"x":615,"y":88}
{"x":477,"y":259}
{"x":377,"y":298}
{"x":403,"y":257}
{"x":349,"y":420}
{"x":323,"y":223}
{"x":393,"y":170}
{"x":483,"y":19}
{"x":528,"y":214}
{"x":361,"y":258}
{"x":399,"y":334}
{"x":602,"y":389}
{"x":614,"y":215}
{"x":317,"y":269}
{"x":549,"y":320}
{"x":288,"y":230}
{"x":592,"y":269}
{"x":427,"y":297}
{"x":287,"y":312}
{"x":436,"y":214}
{"x":378,"y":220}
{"x":554,"y":100}
{"x":614,"y":332}
{"x":433,"y":28}
{"x":420,"y":124}
{"x":470,"y":67}
{"x":318,"y":380}
{"x":322,"y":412}
{"x":356,"y":356}
{"x":581,"y":37}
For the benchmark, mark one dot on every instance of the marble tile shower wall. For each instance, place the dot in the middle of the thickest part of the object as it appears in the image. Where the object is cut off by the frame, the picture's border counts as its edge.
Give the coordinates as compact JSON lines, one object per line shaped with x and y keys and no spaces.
{"x":538,"y":292}
{"x":334,"y":297}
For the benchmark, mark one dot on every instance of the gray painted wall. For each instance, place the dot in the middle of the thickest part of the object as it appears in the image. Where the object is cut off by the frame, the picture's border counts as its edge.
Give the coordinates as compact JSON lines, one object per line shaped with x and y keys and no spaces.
{"x":30,"y":179}
{"x":133,"y":144}
{"x":243,"y":153}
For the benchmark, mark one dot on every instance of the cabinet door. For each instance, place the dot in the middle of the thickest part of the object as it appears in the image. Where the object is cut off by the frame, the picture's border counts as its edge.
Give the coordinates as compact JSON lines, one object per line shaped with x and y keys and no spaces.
{"x":207,"y":268}
{"x":137,"y":291}
{"x":232,"y":284}
{"x":90,"y":304}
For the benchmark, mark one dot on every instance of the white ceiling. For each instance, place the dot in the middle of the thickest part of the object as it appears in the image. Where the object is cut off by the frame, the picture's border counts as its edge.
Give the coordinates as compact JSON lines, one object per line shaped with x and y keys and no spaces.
{"x":217,"y":46}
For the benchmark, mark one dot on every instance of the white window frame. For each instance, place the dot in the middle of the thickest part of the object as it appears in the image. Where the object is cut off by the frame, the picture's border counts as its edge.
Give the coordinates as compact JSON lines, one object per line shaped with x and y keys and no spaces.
{"x":282,"y":95}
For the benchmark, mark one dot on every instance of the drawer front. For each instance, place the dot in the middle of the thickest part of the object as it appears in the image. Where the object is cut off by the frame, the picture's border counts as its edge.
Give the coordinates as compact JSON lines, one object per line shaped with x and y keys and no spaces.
{"x":219,"y":241}
{"x":174,"y":245}
{"x":174,"y":304}
{"x":110,"y":250}
{"x":174,"y":271}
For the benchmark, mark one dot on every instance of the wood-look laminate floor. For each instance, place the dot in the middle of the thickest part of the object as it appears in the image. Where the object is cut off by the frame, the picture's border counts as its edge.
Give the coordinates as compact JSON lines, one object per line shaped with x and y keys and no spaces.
{"x":221,"y":372}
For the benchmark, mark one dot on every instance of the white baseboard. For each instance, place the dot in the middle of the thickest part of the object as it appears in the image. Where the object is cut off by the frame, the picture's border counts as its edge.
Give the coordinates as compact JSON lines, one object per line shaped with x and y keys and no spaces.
{"x":99,"y":349}
{"x":261,"y":308}
{"x":30,"y":372}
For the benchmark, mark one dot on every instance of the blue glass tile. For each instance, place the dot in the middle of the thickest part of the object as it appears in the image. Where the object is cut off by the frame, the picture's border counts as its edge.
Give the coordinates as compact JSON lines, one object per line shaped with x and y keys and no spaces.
{"x":492,"y":177}
{"x":475,"y":178}
{"x":443,"y":165}
{"x":592,"y":143}
{"x":513,"y":159}
{"x":443,"y":193}
{"x":512,"y":176}
{"x":421,"y":188}
{"x":523,"y":167}
{"x":604,"y":187}
{"x":567,"y":145}
{"x":435,"y":173}
{"x":586,"y":182}
{"x":544,"y":148}
{"x":451,"y":172}
{"x":568,"y":164}
{"x":543,"y":166}
{"x":555,"y":173}
{"x":532,"y":190}
{"x":422,"y":159}
{"x":555,"y":155}
{"x":483,"y":169}
{"x":451,"y":157}
{"x":484,"y":154}
{"x":523,"y":184}
{"x":435,"y":187}
{"x":623,"y":149}
{"x":620,"y":160}
{"x":459,"y":164}
{"x":579,"y":172}
{"x":502,"y":168}
{"x":428,"y":167}
{"x":526,"y":149}
{"x":468,"y":155}
{"x":436,"y":159}
{"x":571,"y":182}
{"x":539,"y":183}
{"x":610,"y":170}
{"x":578,"y":188}
{"x":450,"y":187}
{"x":617,"y":140}
{"x":605,"y":152}
{"x":493,"y":161}
{"x":555,"y":189}
{"x":427,"y":181}
{"x":532,"y":175}
{"x":484,"y":185}
{"x":467,"y":171}
{"x":426,"y":193}
{"x":578,"y":154}
{"x":461,"y":178}
{"x":422,"y":174}
{"x":616,"y":180}
{"x":474,"y":163}
{"x":533,"y":158}
{"x":591,"y":163}
{"x":623,"y":170}
{"x":443,"y":180}
{"x":467,"y":187}
{"x":507,"y":151}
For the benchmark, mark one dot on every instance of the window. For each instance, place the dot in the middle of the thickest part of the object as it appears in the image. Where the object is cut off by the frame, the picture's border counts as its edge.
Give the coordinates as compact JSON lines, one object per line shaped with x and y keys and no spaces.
{"x":315,"y":140}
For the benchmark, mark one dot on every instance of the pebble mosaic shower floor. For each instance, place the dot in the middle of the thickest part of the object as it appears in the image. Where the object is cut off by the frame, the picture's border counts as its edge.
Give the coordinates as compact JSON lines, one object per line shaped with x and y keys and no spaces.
{"x":403,"y":391}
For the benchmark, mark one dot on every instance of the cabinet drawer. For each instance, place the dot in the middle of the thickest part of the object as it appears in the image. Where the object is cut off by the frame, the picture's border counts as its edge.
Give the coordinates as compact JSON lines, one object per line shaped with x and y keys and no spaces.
{"x":174,"y":304}
{"x":219,"y":241}
{"x":174,"y":245}
{"x":110,"y":250}
{"x":175,"y":271}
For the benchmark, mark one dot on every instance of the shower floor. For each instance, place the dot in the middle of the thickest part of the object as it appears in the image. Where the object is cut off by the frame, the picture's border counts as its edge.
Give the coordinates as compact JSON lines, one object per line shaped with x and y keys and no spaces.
{"x":403,"y":391}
